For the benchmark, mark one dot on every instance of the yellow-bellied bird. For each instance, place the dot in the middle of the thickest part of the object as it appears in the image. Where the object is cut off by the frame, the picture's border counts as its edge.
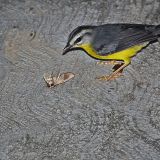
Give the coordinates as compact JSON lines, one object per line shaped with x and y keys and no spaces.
{"x":112,"y":42}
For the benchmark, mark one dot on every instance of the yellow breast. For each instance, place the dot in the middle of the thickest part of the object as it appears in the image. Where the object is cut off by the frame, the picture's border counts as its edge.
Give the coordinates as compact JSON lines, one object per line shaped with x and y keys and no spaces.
{"x":122,"y":55}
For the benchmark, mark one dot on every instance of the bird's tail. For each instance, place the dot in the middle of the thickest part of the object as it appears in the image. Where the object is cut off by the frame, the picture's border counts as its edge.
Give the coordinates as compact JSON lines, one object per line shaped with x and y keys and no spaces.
{"x":157,"y":32}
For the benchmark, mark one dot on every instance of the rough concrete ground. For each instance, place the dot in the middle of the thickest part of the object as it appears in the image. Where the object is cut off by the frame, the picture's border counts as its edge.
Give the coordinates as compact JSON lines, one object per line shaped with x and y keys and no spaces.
{"x":84,"y":119}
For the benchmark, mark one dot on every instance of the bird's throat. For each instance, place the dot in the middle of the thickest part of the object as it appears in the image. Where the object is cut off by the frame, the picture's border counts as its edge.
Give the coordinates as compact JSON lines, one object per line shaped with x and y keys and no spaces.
{"x":90,"y":51}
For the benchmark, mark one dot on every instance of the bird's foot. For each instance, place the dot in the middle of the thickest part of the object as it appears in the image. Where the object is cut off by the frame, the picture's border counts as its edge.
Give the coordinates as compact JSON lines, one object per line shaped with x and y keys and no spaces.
{"x":110,"y":77}
{"x":108,"y":63}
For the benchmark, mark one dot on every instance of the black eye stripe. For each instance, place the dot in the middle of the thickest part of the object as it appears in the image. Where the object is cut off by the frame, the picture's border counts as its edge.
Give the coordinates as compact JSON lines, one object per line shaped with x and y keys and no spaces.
{"x":79,"y":29}
{"x":78,"y":39}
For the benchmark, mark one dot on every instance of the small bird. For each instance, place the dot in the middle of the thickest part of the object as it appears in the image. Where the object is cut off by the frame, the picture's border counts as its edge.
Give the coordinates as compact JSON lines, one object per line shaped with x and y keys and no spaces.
{"x":112,"y":42}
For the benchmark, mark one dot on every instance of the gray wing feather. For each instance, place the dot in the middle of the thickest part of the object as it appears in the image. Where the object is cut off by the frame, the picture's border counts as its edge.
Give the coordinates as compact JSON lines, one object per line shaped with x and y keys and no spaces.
{"x":111,"y":38}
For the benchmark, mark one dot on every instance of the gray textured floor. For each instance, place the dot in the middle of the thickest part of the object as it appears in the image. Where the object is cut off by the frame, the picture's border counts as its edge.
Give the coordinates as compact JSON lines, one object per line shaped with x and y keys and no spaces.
{"x":84,"y":119}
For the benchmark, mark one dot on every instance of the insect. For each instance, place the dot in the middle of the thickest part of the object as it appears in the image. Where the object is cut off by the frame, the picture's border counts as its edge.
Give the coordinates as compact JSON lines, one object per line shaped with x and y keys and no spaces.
{"x":53,"y":81}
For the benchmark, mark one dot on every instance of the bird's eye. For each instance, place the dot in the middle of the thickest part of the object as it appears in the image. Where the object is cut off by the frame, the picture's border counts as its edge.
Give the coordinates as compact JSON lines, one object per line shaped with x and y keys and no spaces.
{"x":78,"y":40}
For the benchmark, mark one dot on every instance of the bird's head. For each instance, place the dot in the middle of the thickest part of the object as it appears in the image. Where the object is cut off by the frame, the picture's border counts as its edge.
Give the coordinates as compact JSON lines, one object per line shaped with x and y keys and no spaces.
{"x":78,"y":37}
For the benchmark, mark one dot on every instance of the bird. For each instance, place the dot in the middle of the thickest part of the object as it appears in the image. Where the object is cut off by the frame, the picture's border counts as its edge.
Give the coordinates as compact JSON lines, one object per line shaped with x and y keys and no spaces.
{"x":115,"y":43}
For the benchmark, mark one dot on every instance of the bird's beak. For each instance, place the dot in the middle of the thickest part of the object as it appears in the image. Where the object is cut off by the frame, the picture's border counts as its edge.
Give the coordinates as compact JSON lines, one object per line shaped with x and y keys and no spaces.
{"x":67,"y":49}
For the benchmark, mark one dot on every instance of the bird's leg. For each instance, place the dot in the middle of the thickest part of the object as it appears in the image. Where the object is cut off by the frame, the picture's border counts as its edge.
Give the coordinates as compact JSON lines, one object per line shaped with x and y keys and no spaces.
{"x":113,"y":62}
{"x":117,"y":73}
{"x":117,"y":66}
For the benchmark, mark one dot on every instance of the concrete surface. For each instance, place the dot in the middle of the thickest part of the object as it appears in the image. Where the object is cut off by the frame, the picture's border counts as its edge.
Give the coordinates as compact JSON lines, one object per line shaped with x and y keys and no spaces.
{"x":84,"y":119}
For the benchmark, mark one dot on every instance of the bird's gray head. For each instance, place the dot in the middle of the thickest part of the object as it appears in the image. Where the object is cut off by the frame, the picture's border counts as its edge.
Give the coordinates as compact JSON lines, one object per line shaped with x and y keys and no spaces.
{"x":80,"y":35}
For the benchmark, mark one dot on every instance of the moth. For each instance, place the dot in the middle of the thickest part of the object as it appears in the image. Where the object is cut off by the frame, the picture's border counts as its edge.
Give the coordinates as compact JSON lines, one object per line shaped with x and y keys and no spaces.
{"x":53,"y":81}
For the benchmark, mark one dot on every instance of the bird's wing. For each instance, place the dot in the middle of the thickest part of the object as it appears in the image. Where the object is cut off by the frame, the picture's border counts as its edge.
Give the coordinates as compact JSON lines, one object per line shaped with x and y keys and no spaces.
{"x":111,"y":38}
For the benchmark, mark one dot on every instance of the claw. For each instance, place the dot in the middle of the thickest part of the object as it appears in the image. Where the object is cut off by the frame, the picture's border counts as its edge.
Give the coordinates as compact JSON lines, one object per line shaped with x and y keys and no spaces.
{"x":103,"y":78}
{"x":108,"y":78}
{"x":108,"y":63}
{"x":101,"y":63}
